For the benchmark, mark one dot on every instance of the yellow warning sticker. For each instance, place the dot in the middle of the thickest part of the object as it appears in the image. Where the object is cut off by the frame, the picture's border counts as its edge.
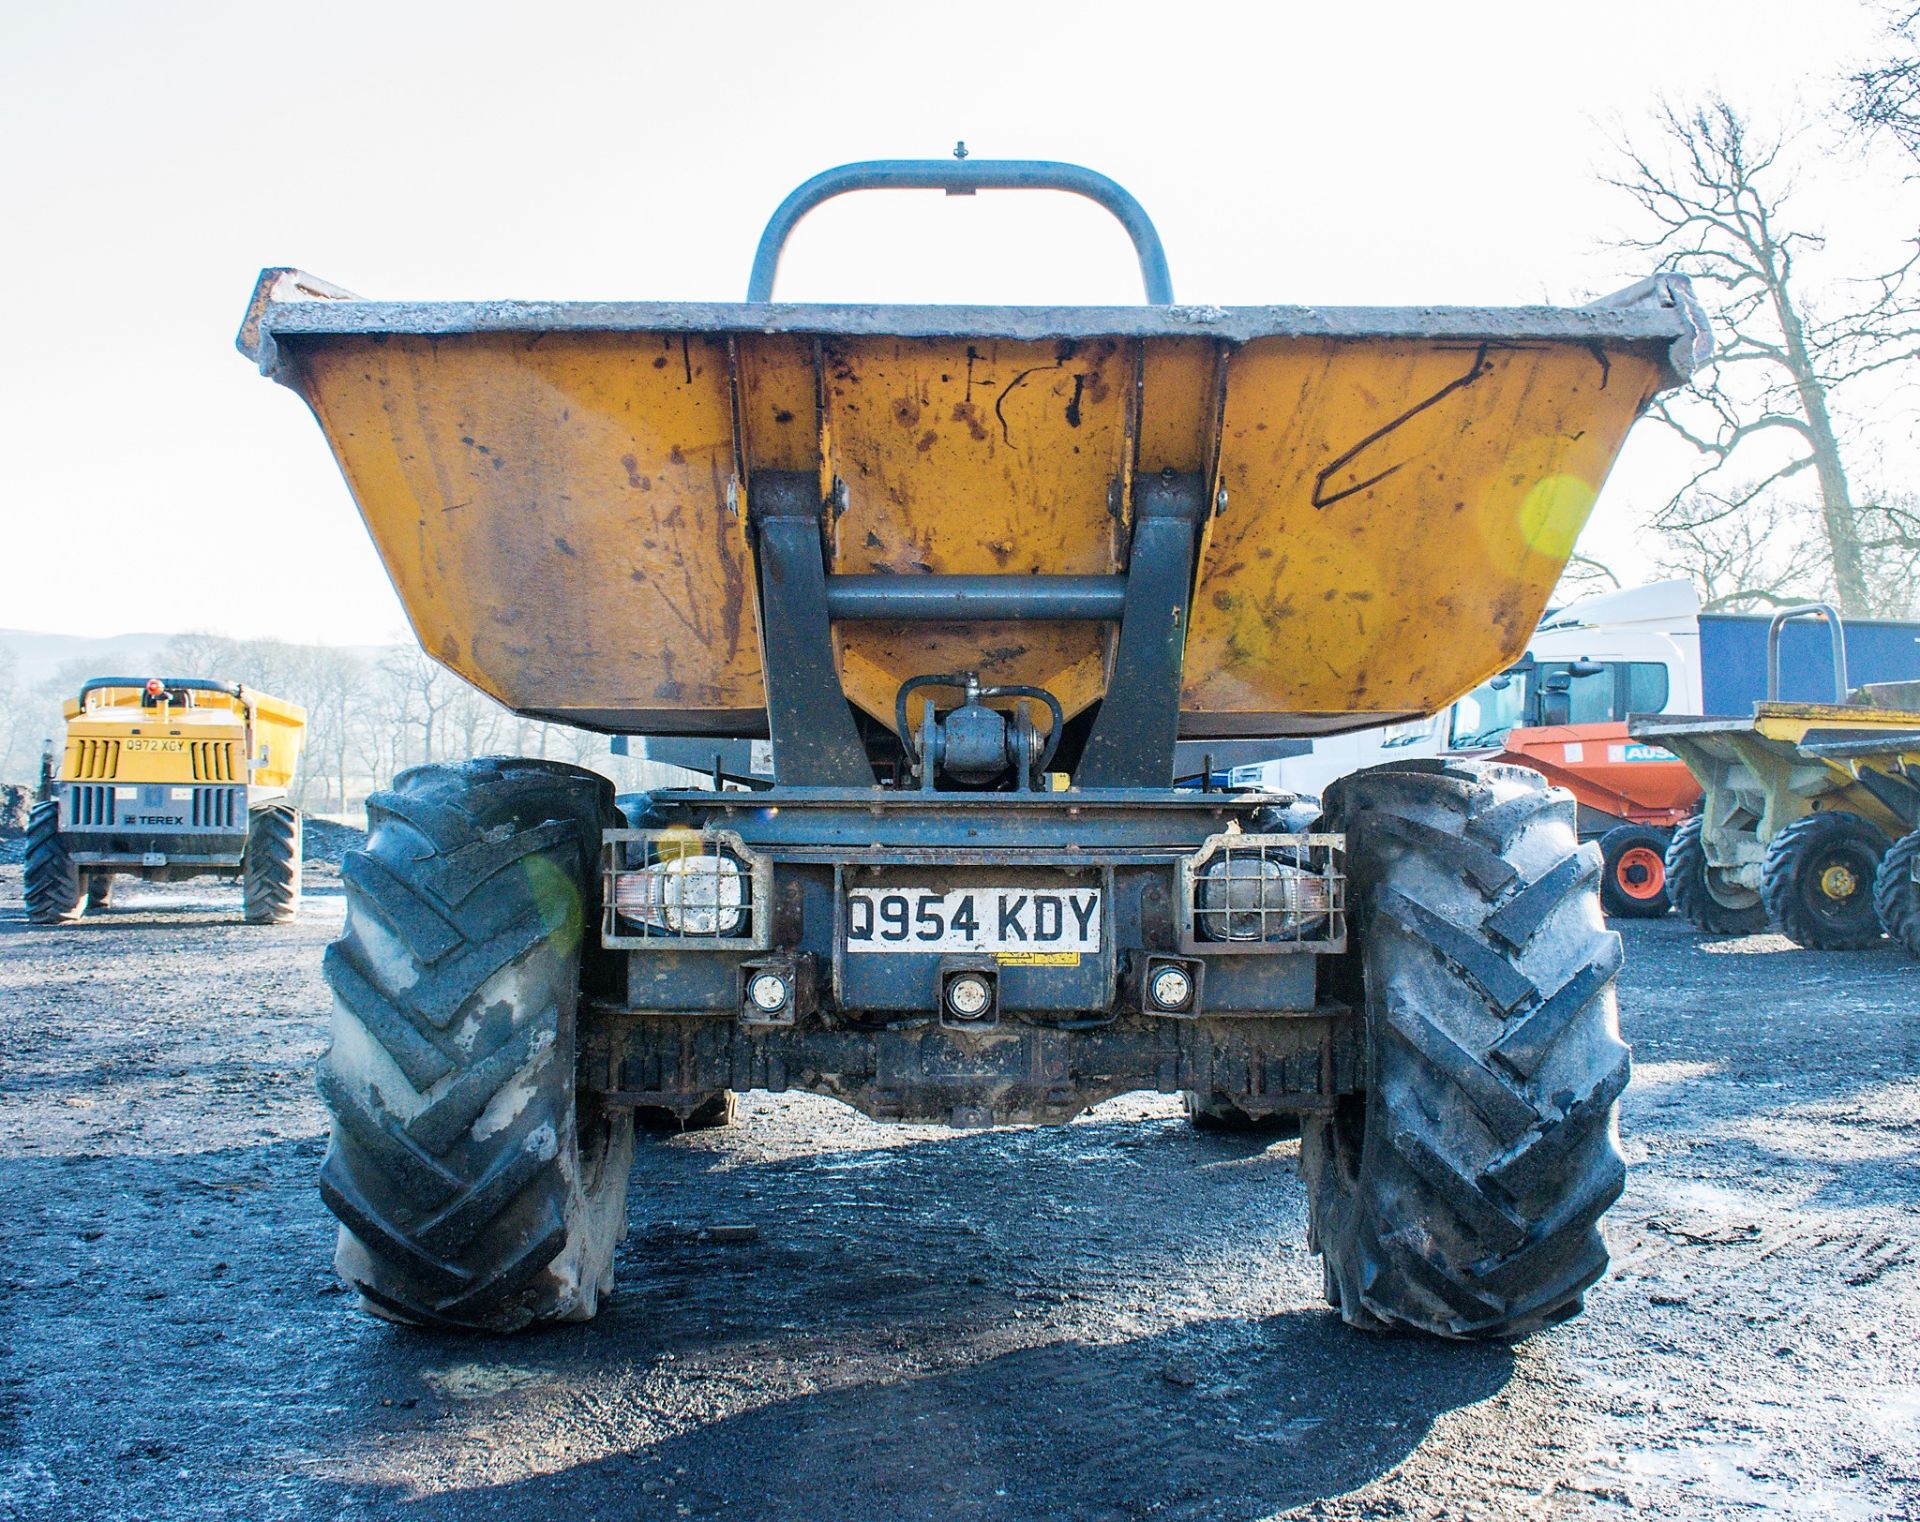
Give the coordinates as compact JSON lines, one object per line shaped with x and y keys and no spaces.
{"x":1037,"y":958}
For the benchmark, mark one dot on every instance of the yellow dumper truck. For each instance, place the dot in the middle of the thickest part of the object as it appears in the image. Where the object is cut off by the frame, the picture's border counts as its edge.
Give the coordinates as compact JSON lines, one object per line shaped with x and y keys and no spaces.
{"x":166,"y":778}
{"x":974,"y":573}
{"x":1809,"y":817}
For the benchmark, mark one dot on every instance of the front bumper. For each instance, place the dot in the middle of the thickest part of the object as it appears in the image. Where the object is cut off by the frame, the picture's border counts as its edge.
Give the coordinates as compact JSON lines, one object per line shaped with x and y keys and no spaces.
{"x":1180,"y":879}
{"x":175,"y":828}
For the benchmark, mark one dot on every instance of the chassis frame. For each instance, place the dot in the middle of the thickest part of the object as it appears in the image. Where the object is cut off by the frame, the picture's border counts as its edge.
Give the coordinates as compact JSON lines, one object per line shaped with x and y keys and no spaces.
{"x":675,"y":1023}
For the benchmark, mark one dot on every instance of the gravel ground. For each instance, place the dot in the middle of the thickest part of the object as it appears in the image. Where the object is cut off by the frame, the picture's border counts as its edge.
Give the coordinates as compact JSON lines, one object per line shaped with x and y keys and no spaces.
{"x":824,"y":1318}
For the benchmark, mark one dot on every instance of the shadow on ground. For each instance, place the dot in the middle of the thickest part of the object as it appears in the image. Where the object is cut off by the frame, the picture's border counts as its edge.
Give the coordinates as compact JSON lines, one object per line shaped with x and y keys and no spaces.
{"x":1099,"y":1321}
{"x":1114,"y":1319}
{"x":1229,"y":1419}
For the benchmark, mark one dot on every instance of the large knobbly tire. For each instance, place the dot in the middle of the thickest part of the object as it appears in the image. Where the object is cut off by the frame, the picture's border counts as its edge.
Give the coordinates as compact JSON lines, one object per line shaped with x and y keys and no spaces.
{"x":1633,"y":872}
{"x":1461,"y":1194}
{"x":476,"y":1185}
{"x":1817,"y":881}
{"x":1896,"y":893}
{"x":51,"y":883}
{"x":1703,"y":895}
{"x":270,"y":865}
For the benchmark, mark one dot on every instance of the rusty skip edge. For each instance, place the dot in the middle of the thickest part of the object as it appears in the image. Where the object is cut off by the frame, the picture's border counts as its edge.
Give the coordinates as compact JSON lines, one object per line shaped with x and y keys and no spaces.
{"x":1662,"y":309}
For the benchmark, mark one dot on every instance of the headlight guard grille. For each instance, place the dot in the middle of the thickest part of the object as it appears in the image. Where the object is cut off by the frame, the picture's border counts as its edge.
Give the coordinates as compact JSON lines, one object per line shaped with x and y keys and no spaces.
{"x":682,"y":889}
{"x":1264,"y":893}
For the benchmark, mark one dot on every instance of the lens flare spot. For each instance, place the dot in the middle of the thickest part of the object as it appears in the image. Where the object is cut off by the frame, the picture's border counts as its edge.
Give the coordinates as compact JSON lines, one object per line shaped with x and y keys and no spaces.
{"x":1553,"y":512}
{"x":556,"y":897}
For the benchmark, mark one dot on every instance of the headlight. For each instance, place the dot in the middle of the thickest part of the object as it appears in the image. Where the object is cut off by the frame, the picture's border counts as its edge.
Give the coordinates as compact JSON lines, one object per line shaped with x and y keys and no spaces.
{"x":1171,"y":988}
{"x":1255,"y":898}
{"x":685,"y":895}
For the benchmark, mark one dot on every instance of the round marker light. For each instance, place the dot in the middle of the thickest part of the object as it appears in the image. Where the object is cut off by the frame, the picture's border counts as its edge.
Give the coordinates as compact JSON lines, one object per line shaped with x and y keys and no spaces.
{"x":968,"y":996}
{"x":768,"y":991}
{"x":1171,"y":988}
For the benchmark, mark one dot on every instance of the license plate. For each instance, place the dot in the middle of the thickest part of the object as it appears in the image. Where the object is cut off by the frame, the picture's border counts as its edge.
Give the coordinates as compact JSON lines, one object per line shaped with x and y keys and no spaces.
{"x":1058,"y":920}
{"x":153,"y":859}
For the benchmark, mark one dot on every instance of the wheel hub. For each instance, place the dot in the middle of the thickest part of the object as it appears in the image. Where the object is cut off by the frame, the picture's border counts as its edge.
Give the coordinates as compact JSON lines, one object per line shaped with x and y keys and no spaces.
{"x":1642,"y":873}
{"x":1837,"y":881}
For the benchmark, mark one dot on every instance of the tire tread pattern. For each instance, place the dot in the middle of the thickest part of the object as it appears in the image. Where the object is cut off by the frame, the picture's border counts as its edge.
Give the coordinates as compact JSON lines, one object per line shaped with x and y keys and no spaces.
{"x":50,"y":882}
{"x":1896,"y":894}
{"x":1787,"y":861}
{"x":1468,"y":1203}
{"x":1687,"y":887}
{"x":464,"y":1196}
{"x":270,"y":865}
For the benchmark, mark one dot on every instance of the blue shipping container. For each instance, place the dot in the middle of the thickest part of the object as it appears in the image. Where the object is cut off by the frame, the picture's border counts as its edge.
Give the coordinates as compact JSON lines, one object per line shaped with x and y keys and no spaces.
{"x":1733,"y":659}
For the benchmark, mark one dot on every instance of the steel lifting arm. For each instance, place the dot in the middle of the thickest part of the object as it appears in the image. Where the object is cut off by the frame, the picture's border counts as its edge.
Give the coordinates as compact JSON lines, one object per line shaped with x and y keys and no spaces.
{"x":1133,"y":739}
{"x":815,"y":740}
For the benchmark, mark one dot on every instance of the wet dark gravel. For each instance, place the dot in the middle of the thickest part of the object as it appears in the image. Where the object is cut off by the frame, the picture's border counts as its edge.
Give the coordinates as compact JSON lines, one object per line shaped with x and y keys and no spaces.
{"x":824,"y":1318}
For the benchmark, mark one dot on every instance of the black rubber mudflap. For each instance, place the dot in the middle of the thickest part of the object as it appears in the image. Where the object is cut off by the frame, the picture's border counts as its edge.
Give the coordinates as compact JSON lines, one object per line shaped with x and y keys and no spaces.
{"x":1461,"y":1195}
{"x":474,"y":1187}
{"x":714,"y":1113}
{"x":1693,"y":895}
{"x":270,"y":865}
{"x":1218,"y":1112}
{"x":1896,"y":893}
{"x":50,"y":883}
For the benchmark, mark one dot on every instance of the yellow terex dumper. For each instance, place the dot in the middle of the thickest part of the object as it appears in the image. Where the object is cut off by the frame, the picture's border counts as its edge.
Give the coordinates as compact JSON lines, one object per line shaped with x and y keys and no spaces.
{"x":974,"y":572}
{"x":165,"y":778}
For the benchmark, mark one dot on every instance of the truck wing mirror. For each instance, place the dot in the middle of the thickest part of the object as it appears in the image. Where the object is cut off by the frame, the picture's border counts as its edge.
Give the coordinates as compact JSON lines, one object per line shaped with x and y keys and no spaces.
{"x":1556,"y":706}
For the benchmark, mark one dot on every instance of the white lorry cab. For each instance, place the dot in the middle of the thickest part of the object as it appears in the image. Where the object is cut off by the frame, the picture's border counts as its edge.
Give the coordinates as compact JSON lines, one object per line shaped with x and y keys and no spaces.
{"x":1636,"y":650}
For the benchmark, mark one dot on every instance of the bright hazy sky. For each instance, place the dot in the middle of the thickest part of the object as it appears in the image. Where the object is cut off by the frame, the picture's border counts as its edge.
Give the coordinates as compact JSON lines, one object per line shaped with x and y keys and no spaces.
{"x":154,"y":156}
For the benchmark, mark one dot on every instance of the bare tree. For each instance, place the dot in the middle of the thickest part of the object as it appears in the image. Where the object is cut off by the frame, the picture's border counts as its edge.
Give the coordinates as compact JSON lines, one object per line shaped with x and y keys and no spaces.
{"x":1741,"y":562}
{"x":1890,"y":530}
{"x":45,"y":709}
{"x":365,"y":720}
{"x":338,"y":677}
{"x":1585,"y":576}
{"x":1715,"y":201}
{"x":418,"y":691}
{"x":473,"y":722}
{"x":1771,"y":554}
{"x":376,"y":741}
{"x":1885,"y":96}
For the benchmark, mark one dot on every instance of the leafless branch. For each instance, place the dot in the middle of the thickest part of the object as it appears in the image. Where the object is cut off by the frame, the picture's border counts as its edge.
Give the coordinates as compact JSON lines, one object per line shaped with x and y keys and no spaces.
{"x":1715,"y":205}
{"x":1885,"y":97}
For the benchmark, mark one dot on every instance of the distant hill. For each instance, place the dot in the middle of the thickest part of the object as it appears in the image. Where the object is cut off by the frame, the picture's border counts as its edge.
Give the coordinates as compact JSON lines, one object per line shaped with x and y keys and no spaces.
{"x":39,"y":656}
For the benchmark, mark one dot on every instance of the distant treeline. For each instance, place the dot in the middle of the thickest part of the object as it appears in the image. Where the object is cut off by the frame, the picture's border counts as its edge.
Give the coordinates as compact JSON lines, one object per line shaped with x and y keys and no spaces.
{"x":370,"y":714}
